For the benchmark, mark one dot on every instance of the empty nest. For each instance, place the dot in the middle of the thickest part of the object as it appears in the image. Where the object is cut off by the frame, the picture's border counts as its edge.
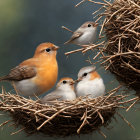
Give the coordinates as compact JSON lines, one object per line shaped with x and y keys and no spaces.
{"x":64,"y":118}
{"x":122,"y":29}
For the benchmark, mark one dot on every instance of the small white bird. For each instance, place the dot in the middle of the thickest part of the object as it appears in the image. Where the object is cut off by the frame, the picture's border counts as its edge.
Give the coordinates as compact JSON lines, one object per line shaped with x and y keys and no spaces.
{"x":84,"y":35}
{"x":64,"y":91}
{"x":90,"y":83}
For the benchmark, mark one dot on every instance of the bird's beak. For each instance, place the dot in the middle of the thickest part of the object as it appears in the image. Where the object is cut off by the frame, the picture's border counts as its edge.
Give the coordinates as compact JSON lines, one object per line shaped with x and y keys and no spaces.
{"x":78,"y":80}
{"x":72,"y":83}
{"x":55,"y":48}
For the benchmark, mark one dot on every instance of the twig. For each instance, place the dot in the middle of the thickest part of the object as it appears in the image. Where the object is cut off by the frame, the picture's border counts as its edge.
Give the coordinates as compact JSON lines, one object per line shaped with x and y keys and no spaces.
{"x":98,"y":10}
{"x":132,"y":104}
{"x":100,"y":132}
{"x":13,"y":133}
{"x":84,"y":121}
{"x":129,"y":124}
{"x":74,"y":51}
{"x":98,"y":19}
{"x":4,"y":123}
{"x":134,"y":4}
{"x":100,"y":3}
{"x":101,"y":117}
{"x":92,"y":47}
{"x":97,"y":55}
{"x":128,"y":101}
{"x":102,"y":27}
{"x":80,"y":3}
{"x":63,"y":27}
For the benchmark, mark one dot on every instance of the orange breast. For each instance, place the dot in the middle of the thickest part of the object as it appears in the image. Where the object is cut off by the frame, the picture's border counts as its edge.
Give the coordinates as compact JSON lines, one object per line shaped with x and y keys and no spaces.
{"x":47,"y":76}
{"x":94,"y":75}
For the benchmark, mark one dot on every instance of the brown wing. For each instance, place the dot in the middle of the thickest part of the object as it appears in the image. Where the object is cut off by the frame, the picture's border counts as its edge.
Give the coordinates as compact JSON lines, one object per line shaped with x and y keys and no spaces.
{"x":73,"y":37}
{"x":20,"y":73}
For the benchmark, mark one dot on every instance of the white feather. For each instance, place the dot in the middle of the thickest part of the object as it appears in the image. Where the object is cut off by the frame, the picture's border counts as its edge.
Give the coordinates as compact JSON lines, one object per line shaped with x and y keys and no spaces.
{"x":92,"y":88}
{"x":62,"y":92}
{"x":26,"y":87}
{"x":88,"y":36}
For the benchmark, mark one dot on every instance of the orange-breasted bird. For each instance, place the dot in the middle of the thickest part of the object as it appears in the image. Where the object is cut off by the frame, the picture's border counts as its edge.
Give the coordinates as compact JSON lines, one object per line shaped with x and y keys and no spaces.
{"x":36,"y":75}
{"x":89,"y":83}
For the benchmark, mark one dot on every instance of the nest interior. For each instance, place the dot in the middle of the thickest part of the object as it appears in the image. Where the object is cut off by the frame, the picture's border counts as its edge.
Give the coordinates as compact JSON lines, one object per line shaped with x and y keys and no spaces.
{"x":122,"y":29}
{"x":81,"y":116}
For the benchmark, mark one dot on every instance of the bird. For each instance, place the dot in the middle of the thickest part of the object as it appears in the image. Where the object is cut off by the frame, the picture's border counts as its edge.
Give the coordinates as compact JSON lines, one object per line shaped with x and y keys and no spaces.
{"x":84,"y":35}
{"x":64,"y":91}
{"x":36,"y":75}
{"x":89,"y":83}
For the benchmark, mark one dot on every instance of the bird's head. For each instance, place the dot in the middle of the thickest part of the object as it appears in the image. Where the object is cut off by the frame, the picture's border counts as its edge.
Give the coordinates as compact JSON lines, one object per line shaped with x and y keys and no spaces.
{"x":46,"y":50}
{"x":65,"y":83}
{"x":87,"y":73}
{"x":89,"y":26}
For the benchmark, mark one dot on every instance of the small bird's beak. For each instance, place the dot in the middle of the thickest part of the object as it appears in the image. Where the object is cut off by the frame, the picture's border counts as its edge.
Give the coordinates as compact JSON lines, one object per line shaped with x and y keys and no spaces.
{"x":78,"y":80}
{"x":72,"y":83}
{"x":55,"y":48}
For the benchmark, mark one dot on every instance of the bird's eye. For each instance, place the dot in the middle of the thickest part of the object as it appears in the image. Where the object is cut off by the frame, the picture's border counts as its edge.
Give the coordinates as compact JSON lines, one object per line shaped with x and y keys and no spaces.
{"x":64,"y":82}
{"x":48,"y":50}
{"x":85,"y":74}
{"x":89,"y":25}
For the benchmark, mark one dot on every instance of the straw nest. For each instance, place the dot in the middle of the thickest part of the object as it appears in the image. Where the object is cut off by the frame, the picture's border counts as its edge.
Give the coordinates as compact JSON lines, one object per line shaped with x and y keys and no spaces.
{"x":80,"y":116}
{"x":122,"y":28}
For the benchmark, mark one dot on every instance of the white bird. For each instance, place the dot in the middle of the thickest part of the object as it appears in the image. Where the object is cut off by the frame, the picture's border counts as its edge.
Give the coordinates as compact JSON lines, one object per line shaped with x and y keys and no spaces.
{"x":64,"y":91}
{"x":89,"y":83}
{"x":84,"y":35}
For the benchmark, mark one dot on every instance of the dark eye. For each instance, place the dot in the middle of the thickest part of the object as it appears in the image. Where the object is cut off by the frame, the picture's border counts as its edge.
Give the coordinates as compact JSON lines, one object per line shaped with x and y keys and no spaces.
{"x":89,"y":25}
{"x":48,"y":50}
{"x":85,"y":74}
{"x":64,"y":82}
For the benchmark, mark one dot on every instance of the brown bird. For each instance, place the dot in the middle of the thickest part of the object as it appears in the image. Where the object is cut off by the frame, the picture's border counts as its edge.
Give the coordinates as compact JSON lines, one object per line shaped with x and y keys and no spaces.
{"x":37,"y":74}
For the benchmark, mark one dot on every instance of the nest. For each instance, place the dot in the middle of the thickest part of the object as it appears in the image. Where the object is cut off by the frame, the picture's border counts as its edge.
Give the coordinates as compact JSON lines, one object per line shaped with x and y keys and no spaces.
{"x":63,"y":118}
{"x":122,"y":28}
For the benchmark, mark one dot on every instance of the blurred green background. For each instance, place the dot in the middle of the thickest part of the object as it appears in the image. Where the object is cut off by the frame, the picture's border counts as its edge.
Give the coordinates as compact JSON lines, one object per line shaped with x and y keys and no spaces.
{"x":26,"y":23}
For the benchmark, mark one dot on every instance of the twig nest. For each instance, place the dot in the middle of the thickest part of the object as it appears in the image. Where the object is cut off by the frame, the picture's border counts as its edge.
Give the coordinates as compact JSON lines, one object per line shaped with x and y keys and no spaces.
{"x":80,"y":116}
{"x":122,"y":28}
